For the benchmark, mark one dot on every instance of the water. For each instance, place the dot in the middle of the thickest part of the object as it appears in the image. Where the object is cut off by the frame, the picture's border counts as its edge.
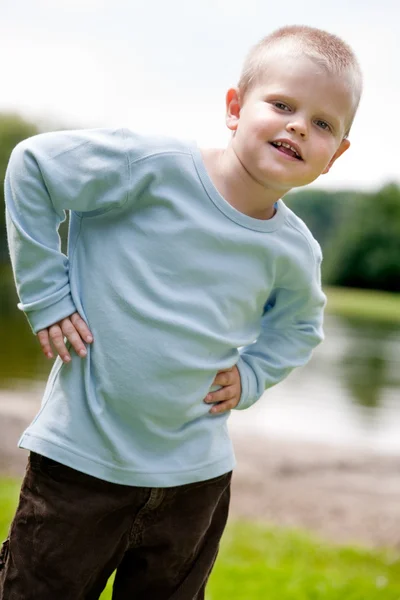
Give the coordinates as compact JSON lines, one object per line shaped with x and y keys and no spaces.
{"x":348,"y":394}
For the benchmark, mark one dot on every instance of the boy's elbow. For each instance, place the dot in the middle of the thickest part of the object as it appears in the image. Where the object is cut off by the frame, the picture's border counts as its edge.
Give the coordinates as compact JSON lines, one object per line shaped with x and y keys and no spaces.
{"x":17,"y":158}
{"x":313,"y":332}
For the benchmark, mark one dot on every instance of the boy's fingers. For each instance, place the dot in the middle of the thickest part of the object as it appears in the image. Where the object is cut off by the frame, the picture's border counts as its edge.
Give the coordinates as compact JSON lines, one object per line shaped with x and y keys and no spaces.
{"x":226,"y":393}
{"x":57,"y":338}
{"x":73,"y":336}
{"x":224,"y":378}
{"x":81,"y":326}
{"x":73,"y":328}
{"x":222,"y":407}
{"x":44,"y":341}
{"x":227,"y":377}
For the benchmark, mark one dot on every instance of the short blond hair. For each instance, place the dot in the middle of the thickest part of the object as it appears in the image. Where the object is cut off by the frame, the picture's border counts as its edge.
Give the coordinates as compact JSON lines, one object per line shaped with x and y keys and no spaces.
{"x":326,"y":49}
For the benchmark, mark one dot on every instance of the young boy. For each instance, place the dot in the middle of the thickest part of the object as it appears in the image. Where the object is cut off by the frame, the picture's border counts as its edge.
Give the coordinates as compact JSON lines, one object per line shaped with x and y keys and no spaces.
{"x":177,"y":258}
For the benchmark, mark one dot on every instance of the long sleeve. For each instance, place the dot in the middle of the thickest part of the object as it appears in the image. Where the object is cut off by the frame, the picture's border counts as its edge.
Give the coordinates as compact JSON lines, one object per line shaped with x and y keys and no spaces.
{"x":291,"y":328}
{"x":48,"y":174}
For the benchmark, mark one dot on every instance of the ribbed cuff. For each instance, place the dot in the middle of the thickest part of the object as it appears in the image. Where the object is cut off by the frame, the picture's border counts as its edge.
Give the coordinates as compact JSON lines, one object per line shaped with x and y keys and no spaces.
{"x":249,"y":385}
{"x":43,"y":318}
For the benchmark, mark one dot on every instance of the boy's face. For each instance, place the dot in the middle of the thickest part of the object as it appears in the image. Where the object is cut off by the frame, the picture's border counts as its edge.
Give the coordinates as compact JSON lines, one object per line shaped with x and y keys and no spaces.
{"x":299,"y":104}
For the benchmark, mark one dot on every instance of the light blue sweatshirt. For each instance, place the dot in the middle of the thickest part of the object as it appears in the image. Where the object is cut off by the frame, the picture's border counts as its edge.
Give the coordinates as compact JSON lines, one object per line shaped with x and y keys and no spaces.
{"x":174,"y":283}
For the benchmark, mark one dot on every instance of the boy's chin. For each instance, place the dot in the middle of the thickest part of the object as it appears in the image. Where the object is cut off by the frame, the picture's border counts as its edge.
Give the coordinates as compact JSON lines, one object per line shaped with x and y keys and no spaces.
{"x":308,"y":180}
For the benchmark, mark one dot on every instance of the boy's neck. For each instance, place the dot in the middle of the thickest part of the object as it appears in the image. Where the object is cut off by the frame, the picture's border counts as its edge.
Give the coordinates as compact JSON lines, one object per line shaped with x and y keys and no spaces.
{"x":237,"y":186}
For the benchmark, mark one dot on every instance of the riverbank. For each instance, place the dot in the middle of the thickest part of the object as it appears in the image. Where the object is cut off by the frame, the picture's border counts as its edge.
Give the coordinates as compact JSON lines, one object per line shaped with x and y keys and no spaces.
{"x":363,"y":304}
{"x":341,"y":494}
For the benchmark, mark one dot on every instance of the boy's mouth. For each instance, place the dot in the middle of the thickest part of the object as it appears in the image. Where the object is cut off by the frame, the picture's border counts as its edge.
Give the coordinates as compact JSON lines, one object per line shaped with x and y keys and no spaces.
{"x":287,"y":148}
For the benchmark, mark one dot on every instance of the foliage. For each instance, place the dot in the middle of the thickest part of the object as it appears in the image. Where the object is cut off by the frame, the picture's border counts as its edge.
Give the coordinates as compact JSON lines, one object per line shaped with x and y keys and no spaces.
{"x":322,"y":211}
{"x":366,"y":249}
{"x":359,"y":234}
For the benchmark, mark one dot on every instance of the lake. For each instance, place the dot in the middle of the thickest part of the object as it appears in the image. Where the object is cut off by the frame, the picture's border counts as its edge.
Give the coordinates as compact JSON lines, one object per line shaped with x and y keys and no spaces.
{"x":349,"y":394}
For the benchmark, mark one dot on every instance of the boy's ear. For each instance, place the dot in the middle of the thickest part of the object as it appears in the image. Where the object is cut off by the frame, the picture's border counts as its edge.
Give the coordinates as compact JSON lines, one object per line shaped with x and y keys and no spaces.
{"x":232,"y":109}
{"x":344,"y":145}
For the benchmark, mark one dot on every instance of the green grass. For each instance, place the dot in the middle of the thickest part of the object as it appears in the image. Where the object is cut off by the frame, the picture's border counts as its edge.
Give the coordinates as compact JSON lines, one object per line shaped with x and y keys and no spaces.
{"x":257,"y":562}
{"x":364,"y":304}
{"x":9,"y":491}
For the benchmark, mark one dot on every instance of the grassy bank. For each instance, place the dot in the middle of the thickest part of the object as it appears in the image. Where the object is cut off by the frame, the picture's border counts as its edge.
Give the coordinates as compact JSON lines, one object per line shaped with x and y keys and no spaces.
{"x":363,"y":304}
{"x":258,"y":562}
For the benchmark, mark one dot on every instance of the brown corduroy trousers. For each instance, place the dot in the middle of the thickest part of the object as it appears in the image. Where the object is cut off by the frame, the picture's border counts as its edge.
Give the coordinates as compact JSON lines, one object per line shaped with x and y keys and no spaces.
{"x":71,"y":531}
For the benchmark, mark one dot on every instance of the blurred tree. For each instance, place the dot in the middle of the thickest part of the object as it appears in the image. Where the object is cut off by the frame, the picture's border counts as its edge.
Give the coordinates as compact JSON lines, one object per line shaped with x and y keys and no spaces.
{"x":365,"y":250}
{"x":13,"y":129}
{"x":322,"y":210}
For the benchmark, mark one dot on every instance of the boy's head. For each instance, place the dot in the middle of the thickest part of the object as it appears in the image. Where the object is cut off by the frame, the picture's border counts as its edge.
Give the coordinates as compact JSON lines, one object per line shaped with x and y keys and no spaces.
{"x":296,"y":41}
{"x":299,"y":86}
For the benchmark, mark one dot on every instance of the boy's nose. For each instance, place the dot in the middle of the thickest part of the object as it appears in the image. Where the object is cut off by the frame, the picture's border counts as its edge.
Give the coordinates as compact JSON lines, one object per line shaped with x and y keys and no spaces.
{"x":298,"y":127}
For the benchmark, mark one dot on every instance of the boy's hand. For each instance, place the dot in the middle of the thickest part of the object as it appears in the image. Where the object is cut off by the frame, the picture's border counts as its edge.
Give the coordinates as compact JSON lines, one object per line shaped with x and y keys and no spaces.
{"x":229,"y":395}
{"x":74,"y":329}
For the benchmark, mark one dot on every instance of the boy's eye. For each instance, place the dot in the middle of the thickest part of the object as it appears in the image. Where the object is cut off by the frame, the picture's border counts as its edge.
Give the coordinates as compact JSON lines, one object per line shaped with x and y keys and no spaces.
{"x":281,"y":106}
{"x":323,"y":125}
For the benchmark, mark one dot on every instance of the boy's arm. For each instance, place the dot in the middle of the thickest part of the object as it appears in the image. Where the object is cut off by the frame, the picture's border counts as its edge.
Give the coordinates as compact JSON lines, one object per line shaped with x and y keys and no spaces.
{"x":291,"y":329}
{"x":47,"y":175}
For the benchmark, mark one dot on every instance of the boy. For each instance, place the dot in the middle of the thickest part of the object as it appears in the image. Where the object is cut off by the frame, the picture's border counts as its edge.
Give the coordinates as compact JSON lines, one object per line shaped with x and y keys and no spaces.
{"x":177,"y":258}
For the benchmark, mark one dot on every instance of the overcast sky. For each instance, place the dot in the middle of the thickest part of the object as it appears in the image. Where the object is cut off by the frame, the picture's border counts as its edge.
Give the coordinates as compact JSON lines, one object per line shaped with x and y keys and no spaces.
{"x":164,"y":66}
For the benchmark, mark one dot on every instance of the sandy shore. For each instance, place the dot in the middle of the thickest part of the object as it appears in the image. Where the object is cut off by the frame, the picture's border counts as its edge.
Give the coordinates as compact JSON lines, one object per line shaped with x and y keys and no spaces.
{"x":340,"y":494}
